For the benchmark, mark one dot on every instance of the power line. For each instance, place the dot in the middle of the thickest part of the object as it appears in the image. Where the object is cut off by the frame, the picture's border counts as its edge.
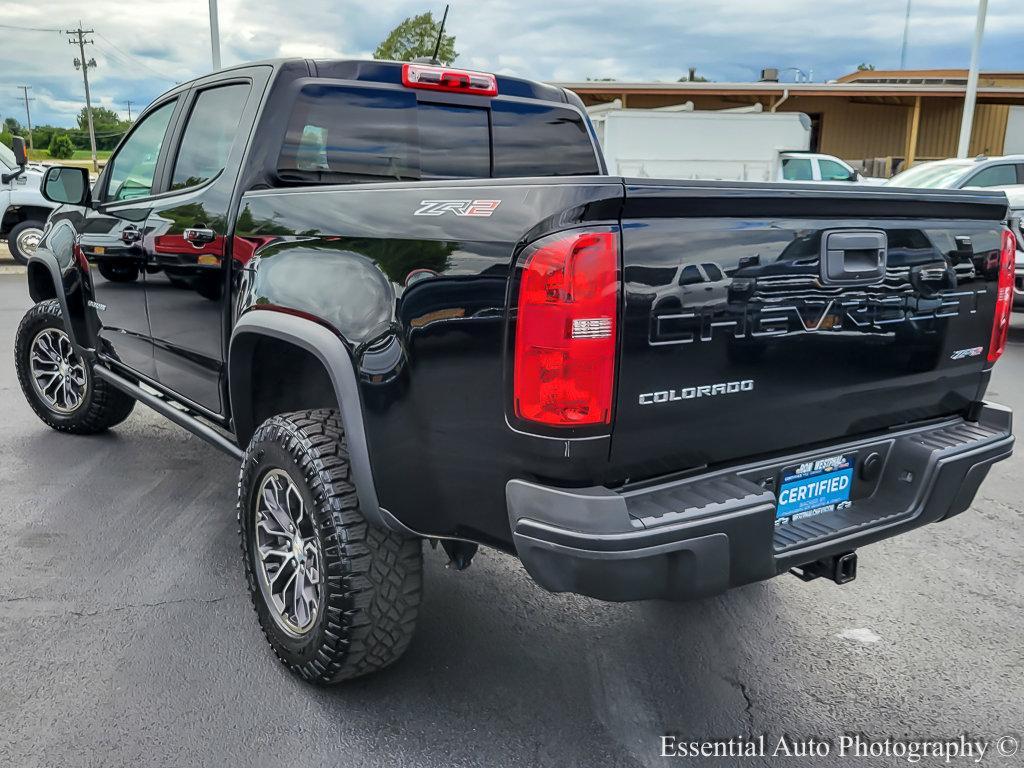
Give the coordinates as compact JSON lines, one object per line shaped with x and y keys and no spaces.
{"x":29,"y":29}
{"x":136,"y":60}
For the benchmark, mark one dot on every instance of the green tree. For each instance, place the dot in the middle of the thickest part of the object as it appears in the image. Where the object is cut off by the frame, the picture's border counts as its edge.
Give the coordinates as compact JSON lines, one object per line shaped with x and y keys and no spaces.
{"x":865,"y":67}
{"x":61,"y":146}
{"x":416,"y":37}
{"x":41,"y":134}
{"x":5,"y":137}
{"x":13,"y":127}
{"x":108,"y":125}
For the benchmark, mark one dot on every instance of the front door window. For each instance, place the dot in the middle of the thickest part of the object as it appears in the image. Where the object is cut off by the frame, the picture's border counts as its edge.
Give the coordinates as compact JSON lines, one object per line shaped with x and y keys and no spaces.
{"x":134,"y":166}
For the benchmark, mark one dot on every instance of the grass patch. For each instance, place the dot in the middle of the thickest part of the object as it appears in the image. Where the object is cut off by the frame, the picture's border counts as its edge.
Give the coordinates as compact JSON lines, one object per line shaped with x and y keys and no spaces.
{"x":42,"y":156}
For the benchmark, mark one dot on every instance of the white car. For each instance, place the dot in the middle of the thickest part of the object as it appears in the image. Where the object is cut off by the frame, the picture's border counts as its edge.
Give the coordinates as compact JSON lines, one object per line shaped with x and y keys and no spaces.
{"x":812,"y":166}
{"x":1015,"y":194}
{"x":958,"y":173}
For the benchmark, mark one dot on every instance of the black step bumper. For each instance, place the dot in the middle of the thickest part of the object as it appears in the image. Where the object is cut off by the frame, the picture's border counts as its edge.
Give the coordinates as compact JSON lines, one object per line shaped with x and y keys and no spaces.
{"x":703,"y":534}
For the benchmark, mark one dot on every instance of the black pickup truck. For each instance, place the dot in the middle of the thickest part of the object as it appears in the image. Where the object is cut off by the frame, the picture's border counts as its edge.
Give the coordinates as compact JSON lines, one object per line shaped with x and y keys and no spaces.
{"x":410,"y":302}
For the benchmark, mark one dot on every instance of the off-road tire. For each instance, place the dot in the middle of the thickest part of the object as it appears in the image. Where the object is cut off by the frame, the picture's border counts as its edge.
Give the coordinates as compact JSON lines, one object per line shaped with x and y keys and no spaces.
{"x":103,"y":406}
{"x":372,"y":578}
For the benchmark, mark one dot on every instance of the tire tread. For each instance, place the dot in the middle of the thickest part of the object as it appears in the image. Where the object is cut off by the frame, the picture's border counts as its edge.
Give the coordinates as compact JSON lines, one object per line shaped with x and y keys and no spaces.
{"x":106,"y":407}
{"x":374,"y":576}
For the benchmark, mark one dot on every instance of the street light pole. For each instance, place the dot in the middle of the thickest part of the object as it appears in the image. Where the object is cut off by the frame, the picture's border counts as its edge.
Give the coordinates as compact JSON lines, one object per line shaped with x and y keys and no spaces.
{"x":214,"y":35}
{"x":28,"y":115}
{"x":971,"y":95}
{"x":906,"y":34}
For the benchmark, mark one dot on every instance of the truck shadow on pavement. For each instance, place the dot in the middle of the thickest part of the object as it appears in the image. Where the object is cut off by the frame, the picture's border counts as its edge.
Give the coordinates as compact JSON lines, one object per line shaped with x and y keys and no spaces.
{"x":500,"y":662}
{"x":500,"y":672}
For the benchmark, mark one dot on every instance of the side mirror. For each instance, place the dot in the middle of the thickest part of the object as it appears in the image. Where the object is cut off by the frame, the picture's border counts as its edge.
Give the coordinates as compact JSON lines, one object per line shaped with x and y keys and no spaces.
{"x":65,"y":185}
{"x":20,"y":153}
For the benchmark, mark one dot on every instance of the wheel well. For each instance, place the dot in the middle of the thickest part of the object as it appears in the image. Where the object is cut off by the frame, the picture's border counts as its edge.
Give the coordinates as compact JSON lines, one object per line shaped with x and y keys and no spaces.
{"x":15,"y":215}
{"x":271,"y":376}
{"x":40,"y":283}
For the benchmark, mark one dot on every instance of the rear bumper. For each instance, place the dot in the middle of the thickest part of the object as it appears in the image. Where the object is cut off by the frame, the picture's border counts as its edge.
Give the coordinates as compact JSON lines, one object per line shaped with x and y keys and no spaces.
{"x":703,"y":534}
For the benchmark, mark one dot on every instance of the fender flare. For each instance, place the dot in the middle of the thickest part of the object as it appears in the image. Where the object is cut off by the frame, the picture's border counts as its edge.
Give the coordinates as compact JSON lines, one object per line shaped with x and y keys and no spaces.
{"x":334,"y":356}
{"x":48,"y":261}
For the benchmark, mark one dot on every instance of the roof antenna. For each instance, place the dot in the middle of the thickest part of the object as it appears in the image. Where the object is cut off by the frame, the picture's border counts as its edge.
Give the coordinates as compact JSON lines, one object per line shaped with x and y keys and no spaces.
{"x":440,"y":34}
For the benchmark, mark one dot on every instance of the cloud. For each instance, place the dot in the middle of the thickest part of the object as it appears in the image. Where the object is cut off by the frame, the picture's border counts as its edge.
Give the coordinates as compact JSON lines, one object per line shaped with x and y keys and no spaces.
{"x":144,"y":47}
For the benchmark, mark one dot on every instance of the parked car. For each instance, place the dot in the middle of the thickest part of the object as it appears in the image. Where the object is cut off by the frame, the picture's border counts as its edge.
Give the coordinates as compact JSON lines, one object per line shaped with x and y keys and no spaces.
{"x":435,"y":317}
{"x":1015,"y":195}
{"x":814,"y":166}
{"x":959,"y":173}
{"x":23,"y":209}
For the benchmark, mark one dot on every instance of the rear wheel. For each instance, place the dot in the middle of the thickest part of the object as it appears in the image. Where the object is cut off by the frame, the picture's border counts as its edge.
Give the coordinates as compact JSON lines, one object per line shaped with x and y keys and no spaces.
{"x":24,"y":238}
{"x":336,"y":597}
{"x":57,"y":383}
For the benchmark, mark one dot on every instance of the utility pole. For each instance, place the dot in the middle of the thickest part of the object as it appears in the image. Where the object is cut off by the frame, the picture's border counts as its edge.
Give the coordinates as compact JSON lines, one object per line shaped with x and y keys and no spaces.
{"x":214,"y":35}
{"x":28,"y":115}
{"x":972,"y":83}
{"x":81,"y":42}
{"x":906,"y":34}
{"x":129,"y":110}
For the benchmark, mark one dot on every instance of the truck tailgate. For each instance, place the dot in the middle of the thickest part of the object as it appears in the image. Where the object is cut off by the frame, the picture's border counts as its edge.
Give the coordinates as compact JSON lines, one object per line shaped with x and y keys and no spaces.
{"x":759,"y":318}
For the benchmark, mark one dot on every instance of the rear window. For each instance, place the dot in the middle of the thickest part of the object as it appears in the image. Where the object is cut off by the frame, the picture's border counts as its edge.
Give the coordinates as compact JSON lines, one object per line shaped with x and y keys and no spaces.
{"x":540,"y":140}
{"x":350,"y":134}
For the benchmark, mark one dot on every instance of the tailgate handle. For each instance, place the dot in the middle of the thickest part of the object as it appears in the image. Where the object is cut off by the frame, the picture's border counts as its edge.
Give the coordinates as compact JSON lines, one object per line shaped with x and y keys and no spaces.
{"x":853,"y":257}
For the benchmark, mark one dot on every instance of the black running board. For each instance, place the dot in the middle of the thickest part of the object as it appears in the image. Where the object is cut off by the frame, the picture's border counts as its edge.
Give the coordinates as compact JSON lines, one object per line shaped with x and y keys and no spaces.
{"x":182,"y":418}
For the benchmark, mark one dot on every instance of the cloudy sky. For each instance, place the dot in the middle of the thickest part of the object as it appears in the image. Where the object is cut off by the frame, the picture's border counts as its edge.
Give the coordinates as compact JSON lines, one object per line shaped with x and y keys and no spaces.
{"x":143,"y":47}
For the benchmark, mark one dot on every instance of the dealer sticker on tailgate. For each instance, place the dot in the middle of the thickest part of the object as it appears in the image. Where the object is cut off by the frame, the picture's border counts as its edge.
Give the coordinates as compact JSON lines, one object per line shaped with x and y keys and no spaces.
{"x":815,"y":487}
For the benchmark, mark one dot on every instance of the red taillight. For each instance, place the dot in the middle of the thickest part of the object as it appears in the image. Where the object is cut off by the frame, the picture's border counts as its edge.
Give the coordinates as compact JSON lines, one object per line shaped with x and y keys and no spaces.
{"x":1004,"y":297}
{"x":565,"y":330}
{"x":447,"y":79}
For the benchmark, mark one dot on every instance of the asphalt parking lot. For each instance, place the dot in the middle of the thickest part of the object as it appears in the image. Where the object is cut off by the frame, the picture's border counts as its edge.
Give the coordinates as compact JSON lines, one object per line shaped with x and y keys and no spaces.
{"x":127,"y":637}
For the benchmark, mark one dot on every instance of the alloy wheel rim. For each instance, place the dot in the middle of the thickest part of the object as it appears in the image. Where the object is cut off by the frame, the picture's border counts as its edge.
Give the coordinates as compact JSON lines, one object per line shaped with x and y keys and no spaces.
{"x":287,"y":553}
{"x":28,"y":240}
{"x":58,"y":375}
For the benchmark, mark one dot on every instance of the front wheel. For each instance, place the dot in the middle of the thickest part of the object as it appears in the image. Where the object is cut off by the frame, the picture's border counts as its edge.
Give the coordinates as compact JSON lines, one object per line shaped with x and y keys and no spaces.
{"x":336,"y":597}
{"x":24,"y":238}
{"x":57,"y":383}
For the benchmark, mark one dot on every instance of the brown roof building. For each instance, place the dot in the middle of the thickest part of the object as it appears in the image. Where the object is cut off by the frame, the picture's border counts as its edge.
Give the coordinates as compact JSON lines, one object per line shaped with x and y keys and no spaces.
{"x":895,"y":115}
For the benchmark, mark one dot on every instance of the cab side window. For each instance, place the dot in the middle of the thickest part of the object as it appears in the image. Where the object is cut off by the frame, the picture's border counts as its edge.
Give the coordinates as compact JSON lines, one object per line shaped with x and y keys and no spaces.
{"x":797,"y":169}
{"x":209,"y":135}
{"x":833,"y":171}
{"x":133,"y":167}
{"x":994,"y":176}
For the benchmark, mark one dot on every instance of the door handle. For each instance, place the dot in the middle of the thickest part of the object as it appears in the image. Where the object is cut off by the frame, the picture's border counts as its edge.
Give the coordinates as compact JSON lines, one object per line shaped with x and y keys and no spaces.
{"x":200,"y":236}
{"x":130,"y":234}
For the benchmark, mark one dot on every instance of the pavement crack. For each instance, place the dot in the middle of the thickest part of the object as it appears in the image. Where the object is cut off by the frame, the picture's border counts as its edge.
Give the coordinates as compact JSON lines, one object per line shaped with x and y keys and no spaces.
{"x":80,"y":614}
{"x":140,"y":606}
{"x":15,"y":599}
{"x":748,"y":710}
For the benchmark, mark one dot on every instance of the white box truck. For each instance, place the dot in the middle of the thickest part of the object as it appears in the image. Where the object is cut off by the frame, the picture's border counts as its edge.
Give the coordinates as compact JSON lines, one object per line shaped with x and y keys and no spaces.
{"x":685,"y":144}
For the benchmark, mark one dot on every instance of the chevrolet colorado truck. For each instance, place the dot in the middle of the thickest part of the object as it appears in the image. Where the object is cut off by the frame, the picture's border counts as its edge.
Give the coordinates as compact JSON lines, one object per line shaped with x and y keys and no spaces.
{"x":410,"y":302}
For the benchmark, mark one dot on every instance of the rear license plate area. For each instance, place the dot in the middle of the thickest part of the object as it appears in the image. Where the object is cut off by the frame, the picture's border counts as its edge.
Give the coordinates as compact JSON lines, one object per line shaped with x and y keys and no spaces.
{"x":814,"y":487}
